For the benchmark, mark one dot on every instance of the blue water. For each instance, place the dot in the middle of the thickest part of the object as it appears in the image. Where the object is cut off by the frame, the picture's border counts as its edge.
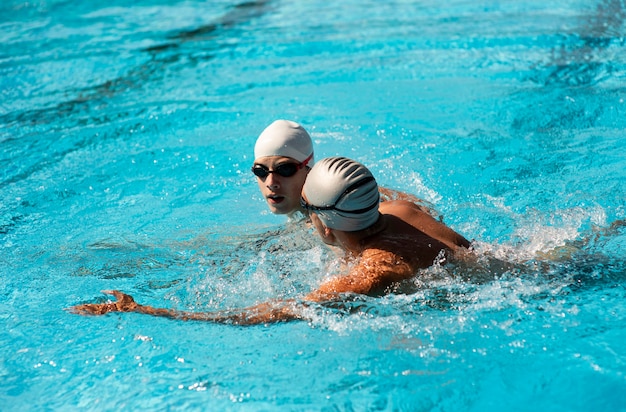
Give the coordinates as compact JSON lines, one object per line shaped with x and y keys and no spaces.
{"x":126,"y":136}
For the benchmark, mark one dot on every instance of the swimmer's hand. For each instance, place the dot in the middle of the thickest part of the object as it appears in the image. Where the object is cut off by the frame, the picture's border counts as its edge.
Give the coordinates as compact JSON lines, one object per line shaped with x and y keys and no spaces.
{"x":123,"y":303}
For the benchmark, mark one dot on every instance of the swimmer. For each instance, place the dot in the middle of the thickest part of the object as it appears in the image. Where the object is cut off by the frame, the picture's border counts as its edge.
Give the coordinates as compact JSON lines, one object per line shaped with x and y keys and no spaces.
{"x":384,"y":243}
{"x":283,"y":156}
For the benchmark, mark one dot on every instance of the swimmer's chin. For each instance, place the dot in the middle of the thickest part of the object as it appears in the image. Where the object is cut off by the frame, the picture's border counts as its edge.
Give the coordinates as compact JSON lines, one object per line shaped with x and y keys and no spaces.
{"x":279,"y":208}
{"x":277,"y":205}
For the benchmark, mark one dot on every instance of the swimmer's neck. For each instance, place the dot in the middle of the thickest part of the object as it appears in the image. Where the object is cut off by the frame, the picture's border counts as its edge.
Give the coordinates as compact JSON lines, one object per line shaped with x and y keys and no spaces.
{"x":354,"y":243}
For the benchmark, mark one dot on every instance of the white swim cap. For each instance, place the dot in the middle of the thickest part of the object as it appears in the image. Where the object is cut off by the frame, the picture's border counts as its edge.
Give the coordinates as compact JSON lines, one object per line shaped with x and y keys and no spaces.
{"x":285,"y":138}
{"x":343,"y":193}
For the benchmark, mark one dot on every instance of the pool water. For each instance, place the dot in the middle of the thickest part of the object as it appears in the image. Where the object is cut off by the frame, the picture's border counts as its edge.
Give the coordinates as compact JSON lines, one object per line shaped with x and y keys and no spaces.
{"x":126,"y":137}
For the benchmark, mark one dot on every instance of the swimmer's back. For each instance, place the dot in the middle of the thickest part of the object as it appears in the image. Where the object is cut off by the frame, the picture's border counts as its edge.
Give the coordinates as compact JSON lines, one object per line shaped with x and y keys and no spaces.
{"x":412,"y":215}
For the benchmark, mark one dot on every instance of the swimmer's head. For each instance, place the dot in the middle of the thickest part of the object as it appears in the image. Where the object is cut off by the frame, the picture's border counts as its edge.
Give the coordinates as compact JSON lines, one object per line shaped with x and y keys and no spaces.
{"x":283,"y":154}
{"x":285,"y":138}
{"x":342,"y":193}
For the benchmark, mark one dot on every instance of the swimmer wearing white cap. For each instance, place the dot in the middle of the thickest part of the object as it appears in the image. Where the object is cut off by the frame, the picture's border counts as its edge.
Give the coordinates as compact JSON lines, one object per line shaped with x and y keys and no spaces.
{"x":283,"y":155}
{"x":385,"y":243}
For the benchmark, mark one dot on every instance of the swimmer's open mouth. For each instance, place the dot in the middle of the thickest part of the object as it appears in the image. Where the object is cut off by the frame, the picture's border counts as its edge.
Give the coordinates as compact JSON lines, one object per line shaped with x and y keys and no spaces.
{"x":275,"y":198}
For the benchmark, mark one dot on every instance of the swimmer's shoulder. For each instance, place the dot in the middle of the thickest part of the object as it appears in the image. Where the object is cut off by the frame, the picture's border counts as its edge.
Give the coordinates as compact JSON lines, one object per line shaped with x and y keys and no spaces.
{"x":403,"y":208}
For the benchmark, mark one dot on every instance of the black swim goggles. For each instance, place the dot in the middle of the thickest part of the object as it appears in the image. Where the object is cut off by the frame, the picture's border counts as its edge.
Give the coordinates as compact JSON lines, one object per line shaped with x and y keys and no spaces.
{"x":312,"y":208}
{"x":284,"y":170}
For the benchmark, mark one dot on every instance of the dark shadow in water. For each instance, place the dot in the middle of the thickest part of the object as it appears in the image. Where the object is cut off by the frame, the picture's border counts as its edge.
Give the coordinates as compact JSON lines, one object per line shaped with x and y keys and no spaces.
{"x":240,"y":13}
{"x":577,"y":61}
{"x":581,"y":59}
{"x":85,"y":109}
{"x":190,"y":46}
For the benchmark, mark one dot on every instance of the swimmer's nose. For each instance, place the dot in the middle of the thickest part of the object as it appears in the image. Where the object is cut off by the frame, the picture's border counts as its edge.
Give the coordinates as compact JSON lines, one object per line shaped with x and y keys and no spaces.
{"x":272,"y":181}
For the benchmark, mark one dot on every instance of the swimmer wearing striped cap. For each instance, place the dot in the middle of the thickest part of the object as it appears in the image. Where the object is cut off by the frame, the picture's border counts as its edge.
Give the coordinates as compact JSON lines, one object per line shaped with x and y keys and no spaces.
{"x":388,"y":241}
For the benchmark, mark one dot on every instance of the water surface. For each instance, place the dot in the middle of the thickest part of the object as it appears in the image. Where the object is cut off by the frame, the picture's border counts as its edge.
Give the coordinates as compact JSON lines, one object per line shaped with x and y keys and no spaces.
{"x":126,"y":136}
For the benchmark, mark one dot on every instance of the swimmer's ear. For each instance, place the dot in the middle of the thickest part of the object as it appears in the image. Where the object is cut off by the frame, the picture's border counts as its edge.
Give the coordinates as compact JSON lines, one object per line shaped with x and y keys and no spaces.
{"x":328,"y":235}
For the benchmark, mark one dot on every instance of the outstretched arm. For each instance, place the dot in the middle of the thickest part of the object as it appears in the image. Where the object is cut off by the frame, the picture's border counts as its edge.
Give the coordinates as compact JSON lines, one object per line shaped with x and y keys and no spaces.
{"x":268,"y":312}
{"x":376,"y":270}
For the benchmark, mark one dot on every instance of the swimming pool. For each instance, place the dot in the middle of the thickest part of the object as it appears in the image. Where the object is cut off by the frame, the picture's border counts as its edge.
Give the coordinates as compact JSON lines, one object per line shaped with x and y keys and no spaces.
{"x":127,"y":131}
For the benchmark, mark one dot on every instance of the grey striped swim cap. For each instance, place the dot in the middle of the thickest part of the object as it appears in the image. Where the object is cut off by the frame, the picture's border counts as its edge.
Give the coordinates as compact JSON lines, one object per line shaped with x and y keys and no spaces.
{"x":343,"y":193}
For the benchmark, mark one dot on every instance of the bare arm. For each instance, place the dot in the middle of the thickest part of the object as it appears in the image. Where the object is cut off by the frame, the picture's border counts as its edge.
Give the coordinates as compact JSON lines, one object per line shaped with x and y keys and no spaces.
{"x":268,"y":312}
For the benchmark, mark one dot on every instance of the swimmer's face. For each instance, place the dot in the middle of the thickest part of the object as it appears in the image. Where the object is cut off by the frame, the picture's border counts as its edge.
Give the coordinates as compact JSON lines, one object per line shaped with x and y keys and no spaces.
{"x":279,"y":187}
{"x":324,"y":232}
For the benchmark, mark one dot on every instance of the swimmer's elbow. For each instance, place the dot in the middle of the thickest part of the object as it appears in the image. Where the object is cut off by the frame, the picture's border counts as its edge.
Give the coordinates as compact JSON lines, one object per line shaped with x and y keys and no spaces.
{"x":462,"y":242}
{"x":321,"y":295}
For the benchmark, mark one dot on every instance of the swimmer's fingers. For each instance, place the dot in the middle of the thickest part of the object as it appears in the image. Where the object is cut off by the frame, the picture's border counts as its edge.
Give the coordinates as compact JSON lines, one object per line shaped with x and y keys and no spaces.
{"x":123,"y":303}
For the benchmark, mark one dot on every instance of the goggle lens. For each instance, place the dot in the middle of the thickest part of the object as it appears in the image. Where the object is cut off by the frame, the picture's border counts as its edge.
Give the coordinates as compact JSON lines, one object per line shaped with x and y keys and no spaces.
{"x":284,"y":170}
